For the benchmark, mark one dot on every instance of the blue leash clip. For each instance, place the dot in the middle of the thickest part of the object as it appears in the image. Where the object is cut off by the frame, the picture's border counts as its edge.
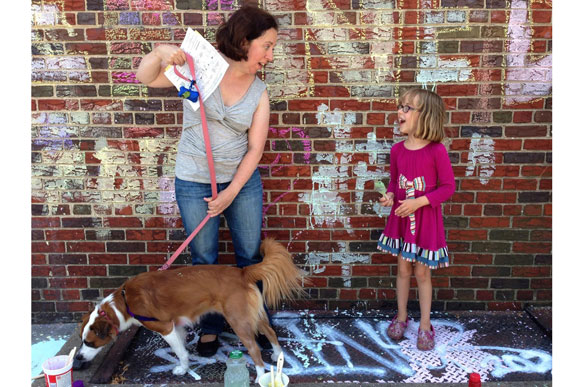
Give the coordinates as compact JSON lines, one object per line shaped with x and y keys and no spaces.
{"x":189,"y":93}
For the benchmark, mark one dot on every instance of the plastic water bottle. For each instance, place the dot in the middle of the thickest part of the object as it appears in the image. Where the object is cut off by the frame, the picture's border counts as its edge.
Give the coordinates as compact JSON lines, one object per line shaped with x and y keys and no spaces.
{"x":237,"y":374}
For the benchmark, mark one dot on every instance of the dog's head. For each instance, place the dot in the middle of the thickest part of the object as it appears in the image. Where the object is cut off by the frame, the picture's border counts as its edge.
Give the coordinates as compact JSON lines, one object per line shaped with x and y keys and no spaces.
{"x":97,"y":330}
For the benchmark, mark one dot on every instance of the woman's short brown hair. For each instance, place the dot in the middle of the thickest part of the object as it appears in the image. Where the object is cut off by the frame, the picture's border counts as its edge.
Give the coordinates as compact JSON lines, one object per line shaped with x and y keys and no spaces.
{"x":245,"y":25}
{"x":431,"y":110}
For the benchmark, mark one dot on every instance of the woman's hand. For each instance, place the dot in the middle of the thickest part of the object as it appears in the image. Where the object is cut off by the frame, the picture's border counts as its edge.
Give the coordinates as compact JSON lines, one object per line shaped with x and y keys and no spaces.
{"x":218,"y":205}
{"x":151,"y":71}
{"x":387,"y":199}
{"x":170,"y":55}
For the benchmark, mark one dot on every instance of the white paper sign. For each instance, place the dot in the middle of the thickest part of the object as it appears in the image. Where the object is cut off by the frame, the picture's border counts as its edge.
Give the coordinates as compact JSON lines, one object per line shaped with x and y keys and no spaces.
{"x":210,"y":66}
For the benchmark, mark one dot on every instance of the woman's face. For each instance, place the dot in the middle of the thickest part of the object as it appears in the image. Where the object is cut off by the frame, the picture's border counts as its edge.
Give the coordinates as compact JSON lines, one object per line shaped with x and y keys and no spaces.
{"x":261,"y":50}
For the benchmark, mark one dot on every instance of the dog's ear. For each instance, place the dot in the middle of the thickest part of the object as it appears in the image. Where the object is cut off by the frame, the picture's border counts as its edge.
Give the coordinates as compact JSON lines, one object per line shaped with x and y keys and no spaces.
{"x":84,"y":322}
{"x":102,"y":329}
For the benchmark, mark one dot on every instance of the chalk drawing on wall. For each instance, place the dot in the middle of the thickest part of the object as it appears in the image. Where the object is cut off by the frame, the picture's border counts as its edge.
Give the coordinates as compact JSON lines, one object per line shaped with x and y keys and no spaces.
{"x":526,"y":79}
{"x":481,"y":158}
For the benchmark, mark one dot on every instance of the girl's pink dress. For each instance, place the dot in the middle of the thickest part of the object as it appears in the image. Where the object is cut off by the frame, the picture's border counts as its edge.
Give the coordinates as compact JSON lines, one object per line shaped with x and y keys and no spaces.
{"x":415,"y":173}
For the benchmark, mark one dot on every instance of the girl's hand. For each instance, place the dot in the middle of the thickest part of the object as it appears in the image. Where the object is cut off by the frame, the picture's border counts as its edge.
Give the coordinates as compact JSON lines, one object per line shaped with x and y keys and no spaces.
{"x":407,"y":207}
{"x":170,"y":55}
{"x":387,"y":199}
{"x":218,"y":205}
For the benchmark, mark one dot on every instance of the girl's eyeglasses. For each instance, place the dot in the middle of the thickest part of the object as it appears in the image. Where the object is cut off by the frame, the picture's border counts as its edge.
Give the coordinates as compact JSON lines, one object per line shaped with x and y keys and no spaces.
{"x":405,"y":108}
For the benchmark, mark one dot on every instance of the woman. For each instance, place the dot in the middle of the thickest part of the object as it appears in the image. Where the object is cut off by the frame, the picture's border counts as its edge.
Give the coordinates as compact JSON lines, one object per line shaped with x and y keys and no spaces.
{"x":238,"y":113}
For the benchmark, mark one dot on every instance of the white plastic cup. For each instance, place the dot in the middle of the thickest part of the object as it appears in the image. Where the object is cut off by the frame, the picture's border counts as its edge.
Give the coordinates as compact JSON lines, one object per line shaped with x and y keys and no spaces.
{"x":57,"y":373}
{"x":267,"y":378}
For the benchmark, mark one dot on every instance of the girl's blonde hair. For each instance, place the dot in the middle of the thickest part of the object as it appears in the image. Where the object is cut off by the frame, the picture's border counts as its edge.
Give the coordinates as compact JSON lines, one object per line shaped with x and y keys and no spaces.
{"x":431,"y":113}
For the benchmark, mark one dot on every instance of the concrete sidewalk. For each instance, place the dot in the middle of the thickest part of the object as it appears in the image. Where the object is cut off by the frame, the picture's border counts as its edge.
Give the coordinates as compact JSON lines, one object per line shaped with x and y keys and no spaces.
{"x":509,"y":349}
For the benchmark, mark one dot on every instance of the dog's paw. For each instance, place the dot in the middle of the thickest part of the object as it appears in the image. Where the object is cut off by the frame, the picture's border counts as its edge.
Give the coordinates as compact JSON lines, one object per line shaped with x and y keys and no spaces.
{"x":179,"y":370}
{"x":275,"y":355}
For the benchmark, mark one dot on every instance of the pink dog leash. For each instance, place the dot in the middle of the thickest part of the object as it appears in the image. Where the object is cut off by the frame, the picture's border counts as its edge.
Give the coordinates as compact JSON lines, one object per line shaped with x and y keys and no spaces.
{"x":209,"y":161}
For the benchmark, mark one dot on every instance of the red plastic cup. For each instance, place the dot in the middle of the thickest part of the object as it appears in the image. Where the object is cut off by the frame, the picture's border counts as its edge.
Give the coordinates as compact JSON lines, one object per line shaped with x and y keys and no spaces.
{"x":474,"y":380}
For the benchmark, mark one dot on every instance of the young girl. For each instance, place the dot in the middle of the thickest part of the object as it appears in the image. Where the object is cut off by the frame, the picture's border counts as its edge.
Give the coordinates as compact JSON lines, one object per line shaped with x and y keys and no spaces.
{"x":421,"y":179}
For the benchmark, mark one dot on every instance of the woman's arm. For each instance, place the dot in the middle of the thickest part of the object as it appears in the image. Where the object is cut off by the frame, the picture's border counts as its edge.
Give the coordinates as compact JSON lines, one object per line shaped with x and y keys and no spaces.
{"x":257,"y":135}
{"x":152,"y":67}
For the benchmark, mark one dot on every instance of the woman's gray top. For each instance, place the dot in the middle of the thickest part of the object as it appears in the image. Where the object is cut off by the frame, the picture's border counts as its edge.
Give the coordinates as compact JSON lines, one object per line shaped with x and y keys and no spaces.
{"x":228,"y":132}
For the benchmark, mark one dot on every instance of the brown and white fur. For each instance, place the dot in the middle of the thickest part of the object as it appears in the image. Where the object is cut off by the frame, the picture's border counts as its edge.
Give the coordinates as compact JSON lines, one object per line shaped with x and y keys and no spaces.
{"x":180,"y":296}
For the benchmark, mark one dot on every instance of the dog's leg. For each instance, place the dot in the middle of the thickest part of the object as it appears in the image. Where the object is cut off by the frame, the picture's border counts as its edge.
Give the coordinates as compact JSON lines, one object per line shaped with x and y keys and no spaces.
{"x":177,"y":344}
{"x":266,"y":329}
{"x":246,"y":335}
{"x":182,"y":332}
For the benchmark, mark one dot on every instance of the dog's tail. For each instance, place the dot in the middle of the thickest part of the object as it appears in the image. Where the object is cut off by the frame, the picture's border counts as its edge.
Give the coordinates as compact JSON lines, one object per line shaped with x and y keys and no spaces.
{"x":279,"y":276}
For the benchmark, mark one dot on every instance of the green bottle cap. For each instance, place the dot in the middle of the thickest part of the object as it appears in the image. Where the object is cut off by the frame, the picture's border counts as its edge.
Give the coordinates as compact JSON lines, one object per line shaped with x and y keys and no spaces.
{"x":236,"y":354}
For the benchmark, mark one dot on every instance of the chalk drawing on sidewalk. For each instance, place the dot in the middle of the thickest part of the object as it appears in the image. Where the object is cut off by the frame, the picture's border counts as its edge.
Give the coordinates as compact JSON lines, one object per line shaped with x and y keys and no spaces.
{"x":322,"y":347}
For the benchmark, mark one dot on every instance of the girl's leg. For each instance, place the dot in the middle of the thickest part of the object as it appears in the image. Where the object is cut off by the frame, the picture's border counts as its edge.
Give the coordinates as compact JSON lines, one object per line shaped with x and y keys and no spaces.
{"x":404,"y":271}
{"x":423,"y":276}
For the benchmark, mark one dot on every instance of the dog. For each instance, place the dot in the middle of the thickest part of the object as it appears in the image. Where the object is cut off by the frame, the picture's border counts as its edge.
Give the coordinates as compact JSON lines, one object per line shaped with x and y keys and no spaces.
{"x":167,"y":301}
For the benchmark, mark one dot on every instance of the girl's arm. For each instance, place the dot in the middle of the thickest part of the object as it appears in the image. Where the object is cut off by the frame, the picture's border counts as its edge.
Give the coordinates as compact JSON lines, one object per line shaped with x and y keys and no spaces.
{"x":394,"y":179}
{"x":152,"y":67}
{"x":445,"y":177}
{"x":257,"y":135}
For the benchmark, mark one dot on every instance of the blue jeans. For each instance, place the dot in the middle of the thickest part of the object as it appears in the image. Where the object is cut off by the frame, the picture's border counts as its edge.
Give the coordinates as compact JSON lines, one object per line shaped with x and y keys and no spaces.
{"x":244,"y":219}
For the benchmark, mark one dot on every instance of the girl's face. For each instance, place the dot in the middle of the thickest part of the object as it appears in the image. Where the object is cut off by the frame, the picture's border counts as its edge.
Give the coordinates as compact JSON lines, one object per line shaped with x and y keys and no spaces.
{"x":261,"y":50}
{"x":408,"y":120}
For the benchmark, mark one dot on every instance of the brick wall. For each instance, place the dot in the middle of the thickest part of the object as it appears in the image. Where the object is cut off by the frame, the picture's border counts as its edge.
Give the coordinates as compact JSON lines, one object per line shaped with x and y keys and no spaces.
{"x":103,"y":146}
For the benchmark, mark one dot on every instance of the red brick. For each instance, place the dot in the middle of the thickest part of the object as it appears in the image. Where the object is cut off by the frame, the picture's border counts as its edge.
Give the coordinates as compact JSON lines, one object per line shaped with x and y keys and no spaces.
{"x":348,"y":294}
{"x":104,"y":259}
{"x":370,"y":270}
{"x":531,"y":271}
{"x":65,"y":235}
{"x":47,"y":247}
{"x":472,"y":209}
{"x":538,"y":144}
{"x":87,"y":271}
{"x":466,"y":235}
{"x":544,"y":295}
{"x":65,"y":283}
{"x":520,"y":184}
{"x":532,"y":170}
{"x":496,"y":197}
{"x":532,"y":247}
{"x":477,"y":184}
{"x":484,"y":295}
{"x":51,"y":294}
{"x":489,"y":222}
{"x":522,"y":117}
{"x":472,"y":259}
{"x":532,"y":222}
{"x":331,"y":91}
{"x":71,"y":294}
{"x":533,"y":210}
